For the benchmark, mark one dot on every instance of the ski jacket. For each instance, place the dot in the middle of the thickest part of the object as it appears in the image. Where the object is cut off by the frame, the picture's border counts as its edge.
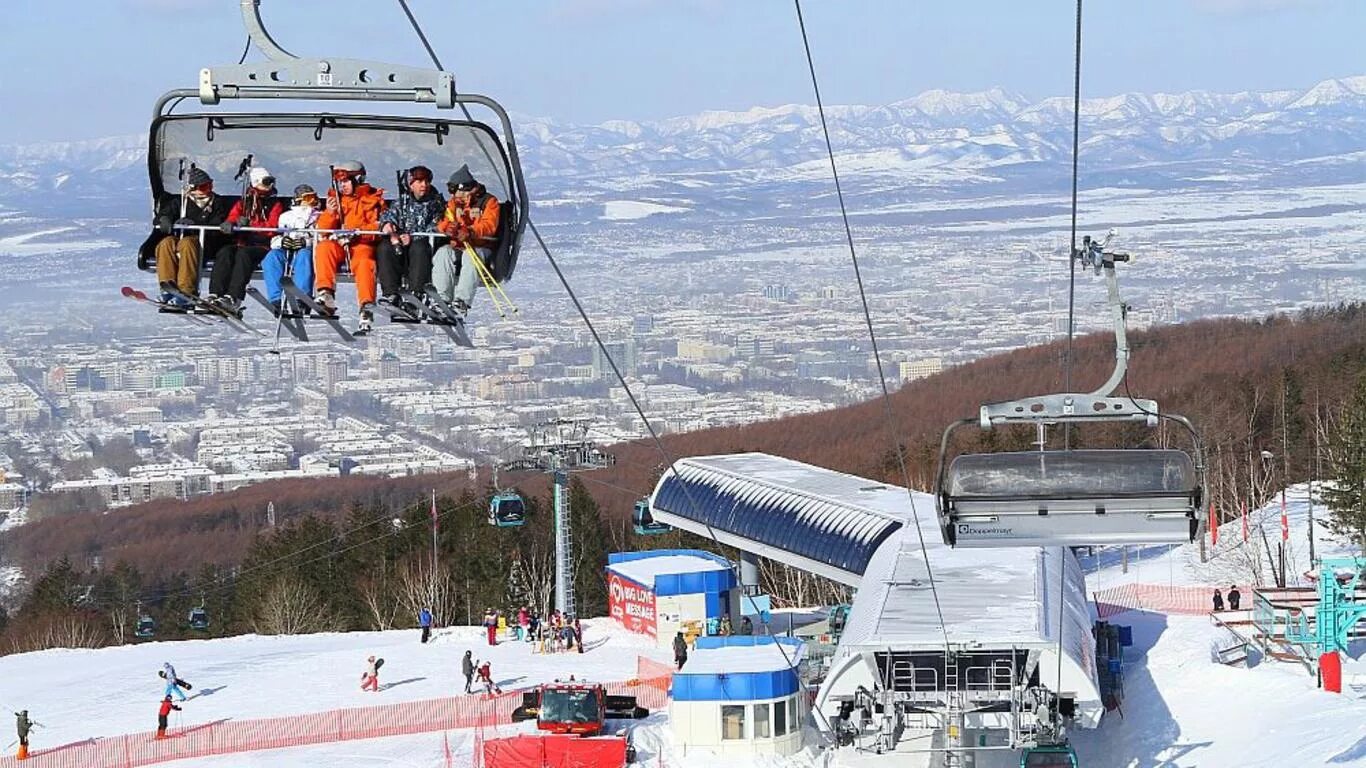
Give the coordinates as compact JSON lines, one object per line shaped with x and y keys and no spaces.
{"x":523,"y":617}
{"x":359,"y":211}
{"x":259,"y":210}
{"x":467,"y":666}
{"x":680,"y":647}
{"x":298,"y":217}
{"x":166,"y":708}
{"x":372,"y":669}
{"x":478,"y":219}
{"x":211,"y":213}
{"x":410,"y":214}
{"x":23,"y":724}
{"x":490,"y":619}
{"x":169,"y":672}
{"x":485,"y":672}
{"x":424,"y":619}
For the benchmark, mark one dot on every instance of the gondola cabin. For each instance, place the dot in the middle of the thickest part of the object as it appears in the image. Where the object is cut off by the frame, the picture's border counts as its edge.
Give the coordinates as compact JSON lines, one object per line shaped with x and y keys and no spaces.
{"x":199,"y":619}
{"x":644,"y":522}
{"x":1056,"y":756}
{"x":506,"y":510}
{"x":146,"y":628}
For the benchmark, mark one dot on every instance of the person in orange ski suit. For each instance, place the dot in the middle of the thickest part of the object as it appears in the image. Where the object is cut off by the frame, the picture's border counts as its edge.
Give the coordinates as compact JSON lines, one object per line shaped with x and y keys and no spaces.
{"x":359,"y":207}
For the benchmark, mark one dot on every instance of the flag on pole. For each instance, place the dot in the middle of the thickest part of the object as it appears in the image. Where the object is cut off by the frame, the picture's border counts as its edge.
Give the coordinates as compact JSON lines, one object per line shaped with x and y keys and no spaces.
{"x":1213,"y":526}
{"x":1285,"y":519}
{"x":1245,"y":522}
{"x":433,"y":511}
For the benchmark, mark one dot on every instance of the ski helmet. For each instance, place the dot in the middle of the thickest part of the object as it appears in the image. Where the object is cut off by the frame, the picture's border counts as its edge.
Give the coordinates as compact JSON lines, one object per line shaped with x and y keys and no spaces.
{"x":349,"y":169}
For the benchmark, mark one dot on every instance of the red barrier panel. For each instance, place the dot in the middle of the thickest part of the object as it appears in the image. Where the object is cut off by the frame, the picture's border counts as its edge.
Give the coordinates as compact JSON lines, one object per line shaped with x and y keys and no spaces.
{"x":229,"y":736}
{"x":554,"y":751}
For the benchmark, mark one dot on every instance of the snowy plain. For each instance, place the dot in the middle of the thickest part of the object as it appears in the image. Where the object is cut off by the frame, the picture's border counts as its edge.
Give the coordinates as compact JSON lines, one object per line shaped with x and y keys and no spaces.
{"x":1181,"y":709}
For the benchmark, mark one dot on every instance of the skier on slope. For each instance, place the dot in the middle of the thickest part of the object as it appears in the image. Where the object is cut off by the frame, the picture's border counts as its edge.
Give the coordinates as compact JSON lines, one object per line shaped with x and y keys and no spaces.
{"x":24,"y":725}
{"x":163,"y":714}
{"x":424,"y":620}
{"x":467,"y":668}
{"x":486,"y":679}
{"x":369,"y":679}
{"x":173,"y":683}
{"x":293,"y":246}
{"x":232,"y":267}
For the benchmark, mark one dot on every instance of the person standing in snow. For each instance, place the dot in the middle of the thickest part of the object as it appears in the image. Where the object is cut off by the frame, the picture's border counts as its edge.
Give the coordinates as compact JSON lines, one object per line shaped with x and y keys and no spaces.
{"x":578,"y":634}
{"x":369,"y":679}
{"x":486,"y":679}
{"x":424,"y":620}
{"x":172,"y":682}
{"x":1233,"y":597}
{"x":163,"y":714}
{"x":24,"y":725}
{"x":467,"y":668}
{"x":680,"y":649}
{"x":491,"y":625}
{"x":1218,"y":600}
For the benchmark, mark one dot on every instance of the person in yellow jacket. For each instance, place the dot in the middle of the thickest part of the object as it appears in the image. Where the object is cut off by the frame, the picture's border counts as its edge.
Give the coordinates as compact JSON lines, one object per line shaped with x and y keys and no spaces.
{"x":471,"y":218}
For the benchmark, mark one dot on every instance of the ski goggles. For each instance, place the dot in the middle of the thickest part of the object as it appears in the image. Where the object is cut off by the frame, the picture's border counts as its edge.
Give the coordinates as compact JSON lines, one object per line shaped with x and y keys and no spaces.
{"x":342,"y":174}
{"x":459,"y":189}
{"x":308,"y":199}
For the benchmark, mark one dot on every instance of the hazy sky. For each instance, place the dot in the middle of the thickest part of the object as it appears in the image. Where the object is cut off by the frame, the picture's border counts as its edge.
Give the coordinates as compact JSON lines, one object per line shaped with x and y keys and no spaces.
{"x":594,"y":60}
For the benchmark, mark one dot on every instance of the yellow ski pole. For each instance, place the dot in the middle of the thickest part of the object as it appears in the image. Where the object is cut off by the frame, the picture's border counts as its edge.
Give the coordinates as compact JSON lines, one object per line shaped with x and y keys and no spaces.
{"x":473,"y":258}
{"x":487,"y":276}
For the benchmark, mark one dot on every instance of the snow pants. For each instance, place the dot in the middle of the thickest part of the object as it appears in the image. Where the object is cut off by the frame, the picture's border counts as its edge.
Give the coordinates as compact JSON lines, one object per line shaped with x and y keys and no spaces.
{"x":171,"y":687}
{"x":178,"y":262}
{"x":232,"y":268}
{"x":329,"y":255}
{"x":469,"y":682}
{"x":399,"y":263}
{"x":493,"y":634}
{"x":274,"y":268}
{"x":454,"y":280}
{"x":161,"y":726}
{"x":426,"y":634}
{"x":370,"y":683}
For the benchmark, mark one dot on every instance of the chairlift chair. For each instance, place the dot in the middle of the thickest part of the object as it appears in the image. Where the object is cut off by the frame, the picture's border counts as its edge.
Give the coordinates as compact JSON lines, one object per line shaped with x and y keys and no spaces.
{"x":199,"y":619}
{"x":299,"y":142}
{"x":1073,"y":497}
{"x":644,"y":522}
{"x":506,"y":510}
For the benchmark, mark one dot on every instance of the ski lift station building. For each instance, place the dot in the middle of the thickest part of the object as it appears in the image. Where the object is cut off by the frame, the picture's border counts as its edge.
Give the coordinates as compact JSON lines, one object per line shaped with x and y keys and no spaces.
{"x":740,"y":696}
{"x":1002,"y":609}
{"x":660,"y":592}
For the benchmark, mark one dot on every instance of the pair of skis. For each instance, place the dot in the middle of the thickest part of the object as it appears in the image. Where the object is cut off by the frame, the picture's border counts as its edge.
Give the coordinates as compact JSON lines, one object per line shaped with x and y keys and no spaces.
{"x":194,"y":308}
{"x":435,"y":310}
{"x":292,"y":318}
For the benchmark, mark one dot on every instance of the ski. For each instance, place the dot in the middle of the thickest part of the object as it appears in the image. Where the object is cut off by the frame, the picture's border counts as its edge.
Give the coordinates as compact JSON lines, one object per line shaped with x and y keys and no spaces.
{"x":319,"y":311}
{"x":292,"y":321}
{"x":211,"y":308}
{"x":452,"y":320}
{"x":164,"y":308}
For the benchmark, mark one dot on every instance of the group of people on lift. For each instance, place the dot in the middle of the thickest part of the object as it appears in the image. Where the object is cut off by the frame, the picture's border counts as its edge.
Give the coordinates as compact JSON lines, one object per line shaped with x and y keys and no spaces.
{"x":384,"y":245}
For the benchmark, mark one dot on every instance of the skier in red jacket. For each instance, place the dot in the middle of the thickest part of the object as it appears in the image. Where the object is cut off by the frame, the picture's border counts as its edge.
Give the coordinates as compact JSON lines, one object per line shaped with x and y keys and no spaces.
{"x":162,"y":714}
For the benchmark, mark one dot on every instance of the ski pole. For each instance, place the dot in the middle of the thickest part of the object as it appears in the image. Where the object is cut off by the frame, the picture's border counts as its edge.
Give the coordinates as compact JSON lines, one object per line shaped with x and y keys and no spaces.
{"x":280,"y":314}
{"x":487,"y":276}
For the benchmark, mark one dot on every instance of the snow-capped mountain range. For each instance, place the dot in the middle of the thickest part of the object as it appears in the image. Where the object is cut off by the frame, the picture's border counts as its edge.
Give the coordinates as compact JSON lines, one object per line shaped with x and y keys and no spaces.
{"x":936,"y":137}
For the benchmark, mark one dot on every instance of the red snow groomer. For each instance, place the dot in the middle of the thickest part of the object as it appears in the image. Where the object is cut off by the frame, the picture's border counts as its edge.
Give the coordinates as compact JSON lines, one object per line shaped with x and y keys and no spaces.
{"x":575,"y":707}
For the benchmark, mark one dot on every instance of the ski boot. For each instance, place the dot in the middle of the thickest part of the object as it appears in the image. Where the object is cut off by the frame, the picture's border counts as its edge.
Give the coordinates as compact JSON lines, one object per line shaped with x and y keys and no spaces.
{"x":326,"y":299}
{"x":367,"y":318}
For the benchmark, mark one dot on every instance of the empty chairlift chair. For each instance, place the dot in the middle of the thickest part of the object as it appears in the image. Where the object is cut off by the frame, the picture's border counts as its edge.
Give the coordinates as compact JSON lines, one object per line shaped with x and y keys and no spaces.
{"x":644,"y":522}
{"x":506,"y":510}
{"x":1055,"y":756}
{"x":1073,"y":497}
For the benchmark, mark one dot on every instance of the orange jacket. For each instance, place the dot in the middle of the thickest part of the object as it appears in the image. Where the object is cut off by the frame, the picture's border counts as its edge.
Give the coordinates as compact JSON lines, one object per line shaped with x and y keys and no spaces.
{"x":359,"y":211}
{"x":480,"y":222}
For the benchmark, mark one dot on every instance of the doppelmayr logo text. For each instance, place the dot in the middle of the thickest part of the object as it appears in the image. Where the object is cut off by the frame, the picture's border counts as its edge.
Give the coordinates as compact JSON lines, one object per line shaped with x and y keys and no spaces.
{"x":982,"y":530}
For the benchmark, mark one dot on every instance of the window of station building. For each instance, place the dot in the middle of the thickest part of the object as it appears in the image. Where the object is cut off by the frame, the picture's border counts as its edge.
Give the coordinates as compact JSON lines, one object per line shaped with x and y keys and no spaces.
{"x":779,"y":718}
{"x":762,"y":729}
{"x":732,"y":721}
{"x":794,"y":724}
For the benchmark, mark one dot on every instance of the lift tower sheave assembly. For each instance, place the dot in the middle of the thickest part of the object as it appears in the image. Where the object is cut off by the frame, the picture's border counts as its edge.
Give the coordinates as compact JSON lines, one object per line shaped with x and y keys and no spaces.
{"x":560,"y":446}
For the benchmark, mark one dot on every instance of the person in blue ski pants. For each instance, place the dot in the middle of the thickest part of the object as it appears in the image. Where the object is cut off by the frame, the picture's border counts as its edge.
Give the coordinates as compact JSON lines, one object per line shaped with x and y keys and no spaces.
{"x":171,"y":685}
{"x":293,"y":245}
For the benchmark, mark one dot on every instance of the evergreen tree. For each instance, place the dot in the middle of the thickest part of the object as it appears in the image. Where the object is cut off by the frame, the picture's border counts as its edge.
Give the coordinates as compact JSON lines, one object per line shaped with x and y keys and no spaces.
{"x":590,"y":551}
{"x":1346,"y":494}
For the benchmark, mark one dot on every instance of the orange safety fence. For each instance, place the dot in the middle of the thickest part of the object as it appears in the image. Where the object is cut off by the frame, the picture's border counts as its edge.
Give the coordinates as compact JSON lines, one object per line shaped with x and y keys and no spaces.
{"x":1155,"y":598}
{"x":222,"y":737}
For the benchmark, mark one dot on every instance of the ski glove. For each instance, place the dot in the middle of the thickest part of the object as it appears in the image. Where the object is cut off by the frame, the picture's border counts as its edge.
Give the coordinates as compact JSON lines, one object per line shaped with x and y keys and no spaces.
{"x":290,"y":243}
{"x":164,"y":224}
{"x":184,"y":222}
{"x":227,"y":227}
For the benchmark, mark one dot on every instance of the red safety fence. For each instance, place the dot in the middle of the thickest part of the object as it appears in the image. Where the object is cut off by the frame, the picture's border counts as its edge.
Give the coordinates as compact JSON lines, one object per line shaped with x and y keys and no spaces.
{"x":1155,"y":598}
{"x":224,"y":737}
{"x":554,"y":751}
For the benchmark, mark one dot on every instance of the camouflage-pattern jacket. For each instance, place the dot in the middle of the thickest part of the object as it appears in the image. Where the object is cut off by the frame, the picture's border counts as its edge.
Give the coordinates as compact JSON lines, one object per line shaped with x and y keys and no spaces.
{"x":412,"y":215}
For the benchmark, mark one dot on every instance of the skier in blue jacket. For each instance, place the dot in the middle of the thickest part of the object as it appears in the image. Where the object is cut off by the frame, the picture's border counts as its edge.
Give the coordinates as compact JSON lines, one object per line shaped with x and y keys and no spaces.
{"x":424,"y":620}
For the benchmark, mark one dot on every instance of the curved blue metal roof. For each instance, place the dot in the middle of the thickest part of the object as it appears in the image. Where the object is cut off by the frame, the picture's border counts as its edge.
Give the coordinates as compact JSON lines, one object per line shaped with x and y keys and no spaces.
{"x":809,"y":511}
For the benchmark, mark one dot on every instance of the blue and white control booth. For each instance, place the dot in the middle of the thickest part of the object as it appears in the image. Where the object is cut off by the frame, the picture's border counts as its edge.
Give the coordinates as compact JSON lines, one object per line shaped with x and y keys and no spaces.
{"x":740,"y":696}
{"x":656,"y":592}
